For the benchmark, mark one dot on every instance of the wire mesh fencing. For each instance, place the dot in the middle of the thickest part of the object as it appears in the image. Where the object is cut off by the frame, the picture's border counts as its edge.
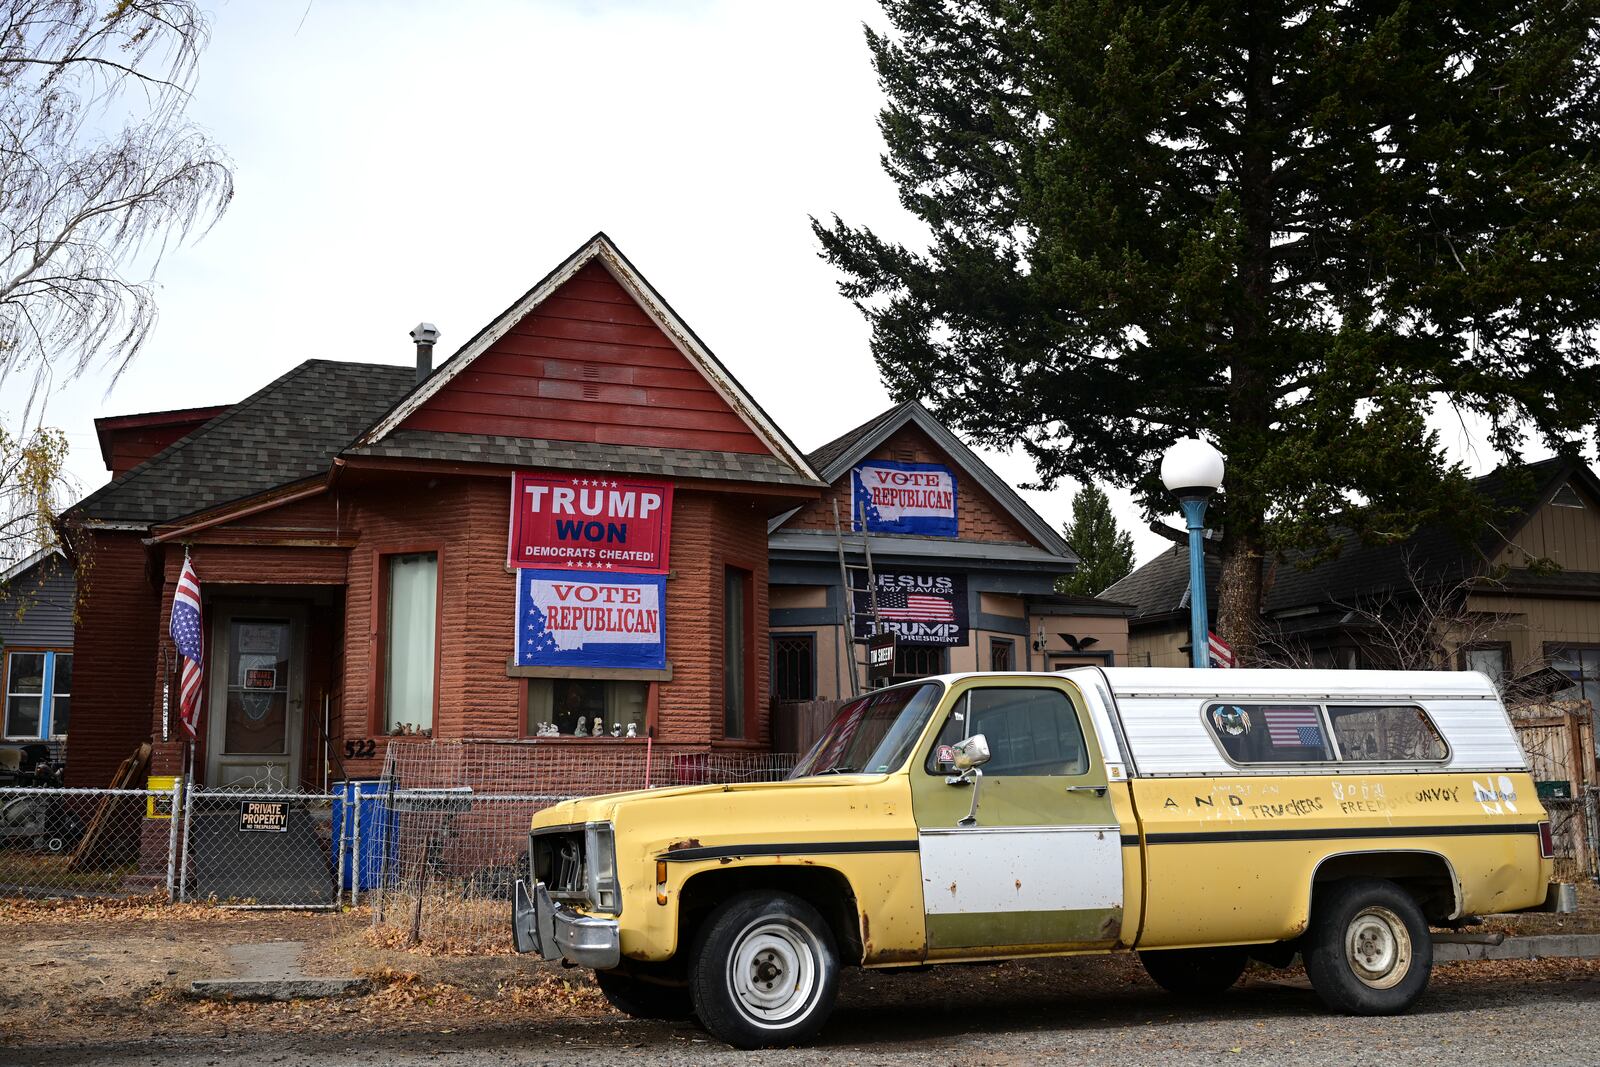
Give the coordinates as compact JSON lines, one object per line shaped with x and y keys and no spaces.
{"x":85,"y":842}
{"x":447,"y":826}
{"x":260,"y":849}
{"x":1575,"y":835}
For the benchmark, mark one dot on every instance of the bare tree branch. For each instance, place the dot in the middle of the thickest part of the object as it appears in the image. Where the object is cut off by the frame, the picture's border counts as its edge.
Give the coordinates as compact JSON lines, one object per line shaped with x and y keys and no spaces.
{"x":94,"y":184}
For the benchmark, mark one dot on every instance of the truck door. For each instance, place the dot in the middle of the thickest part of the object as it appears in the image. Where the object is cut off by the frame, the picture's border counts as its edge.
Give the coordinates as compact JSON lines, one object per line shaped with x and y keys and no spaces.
{"x":1041,"y":865}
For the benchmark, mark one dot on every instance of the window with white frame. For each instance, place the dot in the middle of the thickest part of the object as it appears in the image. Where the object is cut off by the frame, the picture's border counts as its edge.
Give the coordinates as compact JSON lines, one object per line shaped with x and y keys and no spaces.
{"x":38,"y":695}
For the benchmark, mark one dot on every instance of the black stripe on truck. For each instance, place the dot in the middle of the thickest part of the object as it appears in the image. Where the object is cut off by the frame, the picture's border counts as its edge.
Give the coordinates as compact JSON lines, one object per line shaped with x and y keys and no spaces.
{"x":1333,"y":833}
{"x":796,"y":848}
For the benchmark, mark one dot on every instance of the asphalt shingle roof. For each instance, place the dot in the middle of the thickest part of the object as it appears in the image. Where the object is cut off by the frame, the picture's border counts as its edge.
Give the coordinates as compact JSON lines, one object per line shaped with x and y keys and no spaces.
{"x":828,"y":454}
{"x":763,"y":469}
{"x":1434,"y":553}
{"x":289,"y":430}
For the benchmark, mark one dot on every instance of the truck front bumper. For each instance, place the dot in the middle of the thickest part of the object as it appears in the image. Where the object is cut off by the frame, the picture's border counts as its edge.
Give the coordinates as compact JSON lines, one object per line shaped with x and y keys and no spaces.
{"x":554,"y":931}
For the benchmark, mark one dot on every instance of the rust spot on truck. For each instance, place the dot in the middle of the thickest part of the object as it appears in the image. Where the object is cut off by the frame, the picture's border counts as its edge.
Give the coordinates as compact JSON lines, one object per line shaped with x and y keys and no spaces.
{"x":952,"y":889}
{"x":894,"y":955}
{"x":1019,"y":885}
{"x":688,"y":842}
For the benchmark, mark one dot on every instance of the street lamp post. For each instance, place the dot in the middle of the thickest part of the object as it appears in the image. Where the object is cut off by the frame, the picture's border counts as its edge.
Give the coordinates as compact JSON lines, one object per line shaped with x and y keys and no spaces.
{"x":1192,"y":470}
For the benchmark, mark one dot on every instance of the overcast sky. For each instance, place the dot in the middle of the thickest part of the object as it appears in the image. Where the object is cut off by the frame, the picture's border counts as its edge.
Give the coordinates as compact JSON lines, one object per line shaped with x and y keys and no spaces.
{"x":402,"y":161}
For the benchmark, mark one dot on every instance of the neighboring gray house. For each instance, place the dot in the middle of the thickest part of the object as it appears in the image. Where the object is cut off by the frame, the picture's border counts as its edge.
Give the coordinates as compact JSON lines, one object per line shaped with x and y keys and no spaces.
{"x":36,"y":604}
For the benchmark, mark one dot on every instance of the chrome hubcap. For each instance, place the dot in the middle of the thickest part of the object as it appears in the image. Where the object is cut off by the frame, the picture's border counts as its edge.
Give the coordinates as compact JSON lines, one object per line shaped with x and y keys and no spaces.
{"x":774,"y":971}
{"x":1378,"y":946}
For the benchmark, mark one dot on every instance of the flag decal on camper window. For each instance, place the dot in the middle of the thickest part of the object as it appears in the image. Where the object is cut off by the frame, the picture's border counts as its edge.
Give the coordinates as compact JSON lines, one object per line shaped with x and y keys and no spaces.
{"x":1293,"y":727}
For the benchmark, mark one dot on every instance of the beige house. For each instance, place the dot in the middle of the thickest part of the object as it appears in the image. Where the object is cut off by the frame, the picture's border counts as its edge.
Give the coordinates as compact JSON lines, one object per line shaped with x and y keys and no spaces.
{"x":1516,"y":603}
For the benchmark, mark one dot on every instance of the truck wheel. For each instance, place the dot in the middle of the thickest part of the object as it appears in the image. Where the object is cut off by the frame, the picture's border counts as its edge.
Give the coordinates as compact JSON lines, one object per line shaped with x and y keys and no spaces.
{"x":644,"y":1000}
{"x":1368,"y":951}
{"x":764,"y":971}
{"x":1195,"y":972}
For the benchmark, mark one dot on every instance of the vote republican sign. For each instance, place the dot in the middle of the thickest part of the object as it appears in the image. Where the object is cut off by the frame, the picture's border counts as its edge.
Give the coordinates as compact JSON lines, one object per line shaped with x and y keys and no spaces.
{"x":905,"y":498}
{"x":567,"y":619}
{"x":591,"y":522}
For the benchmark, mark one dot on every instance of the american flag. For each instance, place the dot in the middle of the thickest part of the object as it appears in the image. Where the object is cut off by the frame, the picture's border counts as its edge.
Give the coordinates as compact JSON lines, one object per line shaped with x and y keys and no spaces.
{"x":1294,"y":727}
{"x":901,"y":606}
{"x":186,"y":632}
{"x":1221,"y":653}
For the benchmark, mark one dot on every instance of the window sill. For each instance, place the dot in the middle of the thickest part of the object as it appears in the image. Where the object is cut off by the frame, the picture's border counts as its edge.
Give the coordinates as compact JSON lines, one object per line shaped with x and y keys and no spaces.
{"x":568,"y":739}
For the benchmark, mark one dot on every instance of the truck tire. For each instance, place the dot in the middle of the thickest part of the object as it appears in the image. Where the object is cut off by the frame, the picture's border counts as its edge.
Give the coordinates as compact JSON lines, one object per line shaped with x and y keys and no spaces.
{"x":644,"y":1000}
{"x":1195,"y":972}
{"x":764,"y":971}
{"x":1368,"y":951}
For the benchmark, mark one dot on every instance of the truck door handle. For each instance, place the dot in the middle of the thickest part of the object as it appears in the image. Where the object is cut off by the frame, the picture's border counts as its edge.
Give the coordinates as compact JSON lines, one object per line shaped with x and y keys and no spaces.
{"x":1097,"y":790}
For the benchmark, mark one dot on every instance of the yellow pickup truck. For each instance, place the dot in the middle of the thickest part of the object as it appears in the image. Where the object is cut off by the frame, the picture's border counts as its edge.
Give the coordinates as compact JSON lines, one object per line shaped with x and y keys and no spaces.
{"x":1199,"y":818}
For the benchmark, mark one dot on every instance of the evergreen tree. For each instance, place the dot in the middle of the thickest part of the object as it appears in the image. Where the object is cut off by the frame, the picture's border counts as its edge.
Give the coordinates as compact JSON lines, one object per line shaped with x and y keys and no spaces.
{"x":1293,"y":228}
{"x":1105,"y":552}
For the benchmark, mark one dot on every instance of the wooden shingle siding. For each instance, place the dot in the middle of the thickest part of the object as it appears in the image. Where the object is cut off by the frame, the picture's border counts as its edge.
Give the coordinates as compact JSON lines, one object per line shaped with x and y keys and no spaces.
{"x":979,"y":516}
{"x":588,"y":365}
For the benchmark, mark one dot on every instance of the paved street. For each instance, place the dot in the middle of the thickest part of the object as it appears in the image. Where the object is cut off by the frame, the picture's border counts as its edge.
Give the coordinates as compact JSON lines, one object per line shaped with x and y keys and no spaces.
{"x":1090,"y":1011}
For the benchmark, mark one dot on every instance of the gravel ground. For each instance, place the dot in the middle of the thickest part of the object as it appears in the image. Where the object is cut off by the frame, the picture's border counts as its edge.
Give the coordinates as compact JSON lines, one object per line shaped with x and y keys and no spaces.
{"x":1090,"y":1011}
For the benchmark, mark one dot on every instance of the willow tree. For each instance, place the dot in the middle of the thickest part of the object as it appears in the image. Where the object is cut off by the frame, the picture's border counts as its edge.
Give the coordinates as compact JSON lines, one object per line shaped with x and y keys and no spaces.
{"x":1296,"y":229}
{"x":100,"y":173}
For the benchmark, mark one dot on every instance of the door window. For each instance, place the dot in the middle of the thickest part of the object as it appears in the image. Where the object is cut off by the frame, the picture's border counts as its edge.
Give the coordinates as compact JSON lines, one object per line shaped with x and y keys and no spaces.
{"x":257,"y":714}
{"x":1031,"y":732}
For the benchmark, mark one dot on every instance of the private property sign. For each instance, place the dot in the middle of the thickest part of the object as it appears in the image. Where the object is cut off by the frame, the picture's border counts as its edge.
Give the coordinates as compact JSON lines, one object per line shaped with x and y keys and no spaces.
{"x":905,"y":498}
{"x":590,"y":522}
{"x":591,"y":620}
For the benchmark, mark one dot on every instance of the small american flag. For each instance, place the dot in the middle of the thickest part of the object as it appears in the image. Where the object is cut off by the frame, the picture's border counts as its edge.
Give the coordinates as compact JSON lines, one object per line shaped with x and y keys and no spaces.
{"x":186,"y":635}
{"x":914,"y":607}
{"x":1221,"y":653}
{"x":1294,"y":727}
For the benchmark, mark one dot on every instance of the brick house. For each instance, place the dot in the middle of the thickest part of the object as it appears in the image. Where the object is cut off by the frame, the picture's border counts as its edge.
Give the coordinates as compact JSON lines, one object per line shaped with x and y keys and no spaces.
{"x":348,"y":524}
{"x":966,"y":569}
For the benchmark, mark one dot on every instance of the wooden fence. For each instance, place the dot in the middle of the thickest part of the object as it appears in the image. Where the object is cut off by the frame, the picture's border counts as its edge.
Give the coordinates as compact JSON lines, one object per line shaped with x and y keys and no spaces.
{"x":796,"y":725}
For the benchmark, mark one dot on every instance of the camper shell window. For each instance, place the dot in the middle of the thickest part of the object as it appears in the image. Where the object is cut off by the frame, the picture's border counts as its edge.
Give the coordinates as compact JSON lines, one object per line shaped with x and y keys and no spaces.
{"x":1267,"y":733}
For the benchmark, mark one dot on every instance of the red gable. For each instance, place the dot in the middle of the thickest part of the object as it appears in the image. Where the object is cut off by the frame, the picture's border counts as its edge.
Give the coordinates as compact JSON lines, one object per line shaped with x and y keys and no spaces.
{"x":587,"y":364}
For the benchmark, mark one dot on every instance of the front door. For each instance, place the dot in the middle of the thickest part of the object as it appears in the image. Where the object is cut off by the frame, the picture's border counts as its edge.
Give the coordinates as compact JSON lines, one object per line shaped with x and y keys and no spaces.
{"x":1041,"y":866}
{"x":256,"y":698}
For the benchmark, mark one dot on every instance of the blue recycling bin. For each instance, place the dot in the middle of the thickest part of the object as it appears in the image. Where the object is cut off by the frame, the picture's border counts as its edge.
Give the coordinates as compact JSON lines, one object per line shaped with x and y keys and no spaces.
{"x":363,"y":845}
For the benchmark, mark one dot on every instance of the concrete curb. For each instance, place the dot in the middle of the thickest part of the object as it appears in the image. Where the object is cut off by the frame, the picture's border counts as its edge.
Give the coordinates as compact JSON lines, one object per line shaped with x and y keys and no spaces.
{"x":1545,"y":946}
{"x":277,"y":989}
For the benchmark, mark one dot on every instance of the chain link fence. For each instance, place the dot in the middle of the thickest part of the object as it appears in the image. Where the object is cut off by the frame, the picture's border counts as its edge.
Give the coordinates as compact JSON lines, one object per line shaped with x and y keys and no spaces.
{"x":84,"y":842}
{"x":1574,"y":832}
{"x":260,"y":849}
{"x":449,"y":824}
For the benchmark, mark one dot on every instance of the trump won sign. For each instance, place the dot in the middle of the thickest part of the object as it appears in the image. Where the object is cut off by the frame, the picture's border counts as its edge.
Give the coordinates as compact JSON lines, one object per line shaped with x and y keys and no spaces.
{"x":591,"y":620}
{"x":591,"y":522}
{"x":905,"y":498}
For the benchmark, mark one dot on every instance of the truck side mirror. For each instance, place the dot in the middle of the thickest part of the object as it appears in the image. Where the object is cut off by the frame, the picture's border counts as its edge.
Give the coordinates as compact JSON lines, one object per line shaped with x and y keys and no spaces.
{"x":973,"y":752}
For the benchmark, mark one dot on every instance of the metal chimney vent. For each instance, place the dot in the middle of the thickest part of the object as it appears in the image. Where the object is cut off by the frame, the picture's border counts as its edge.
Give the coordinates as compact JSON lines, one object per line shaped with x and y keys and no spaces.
{"x":423,"y":336}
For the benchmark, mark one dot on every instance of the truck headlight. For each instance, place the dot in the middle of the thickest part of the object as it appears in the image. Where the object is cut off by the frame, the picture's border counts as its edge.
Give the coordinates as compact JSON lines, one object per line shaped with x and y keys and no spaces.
{"x":601,"y":846}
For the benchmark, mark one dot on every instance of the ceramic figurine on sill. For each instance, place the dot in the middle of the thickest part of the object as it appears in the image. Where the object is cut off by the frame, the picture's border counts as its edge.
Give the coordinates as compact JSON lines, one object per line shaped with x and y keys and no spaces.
{"x":633,"y":729}
{"x":599,"y":727}
{"x":616,"y":729}
{"x":583,"y":726}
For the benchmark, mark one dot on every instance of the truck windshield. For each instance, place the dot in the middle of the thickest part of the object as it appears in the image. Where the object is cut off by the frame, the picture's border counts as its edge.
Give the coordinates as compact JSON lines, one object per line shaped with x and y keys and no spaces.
{"x":872,"y":735}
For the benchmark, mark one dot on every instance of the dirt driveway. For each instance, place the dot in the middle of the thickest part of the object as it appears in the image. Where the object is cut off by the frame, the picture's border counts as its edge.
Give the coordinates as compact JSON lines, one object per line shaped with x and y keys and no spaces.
{"x":108,"y":983}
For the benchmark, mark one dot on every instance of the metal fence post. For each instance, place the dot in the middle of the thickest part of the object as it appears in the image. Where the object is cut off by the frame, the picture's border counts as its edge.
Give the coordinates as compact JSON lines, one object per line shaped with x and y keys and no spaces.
{"x":355,"y":847}
{"x":178,"y":794}
{"x":183,"y":861}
